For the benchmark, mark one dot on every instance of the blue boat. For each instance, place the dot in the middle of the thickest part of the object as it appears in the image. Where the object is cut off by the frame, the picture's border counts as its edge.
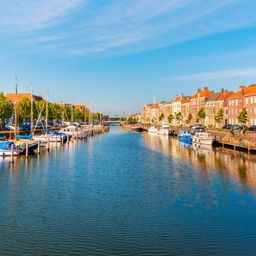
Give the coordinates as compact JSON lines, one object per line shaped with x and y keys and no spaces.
{"x":185,"y":136}
{"x":8,"y":148}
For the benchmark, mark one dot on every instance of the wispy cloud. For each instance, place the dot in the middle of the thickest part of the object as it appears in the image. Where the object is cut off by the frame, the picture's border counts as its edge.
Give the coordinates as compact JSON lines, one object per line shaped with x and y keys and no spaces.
{"x":29,"y":15}
{"x":218,"y":75}
{"x":87,"y":27}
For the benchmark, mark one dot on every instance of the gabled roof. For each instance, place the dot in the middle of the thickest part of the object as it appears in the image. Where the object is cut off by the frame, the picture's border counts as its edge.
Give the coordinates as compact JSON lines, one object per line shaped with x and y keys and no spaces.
{"x":225,"y":95}
{"x":205,"y":93}
{"x":214,"y":97}
{"x":246,"y":91}
{"x":14,"y":97}
{"x":250,"y":90}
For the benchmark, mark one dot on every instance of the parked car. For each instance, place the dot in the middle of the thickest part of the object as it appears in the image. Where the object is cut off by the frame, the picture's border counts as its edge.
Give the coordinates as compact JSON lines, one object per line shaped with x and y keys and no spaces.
{"x":227,"y":126}
{"x":235,"y":127}
{"x":252,"y":128}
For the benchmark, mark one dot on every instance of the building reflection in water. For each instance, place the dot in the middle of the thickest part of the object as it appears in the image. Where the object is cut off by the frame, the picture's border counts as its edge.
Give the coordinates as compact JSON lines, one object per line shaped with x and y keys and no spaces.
{"x":206,"y":159}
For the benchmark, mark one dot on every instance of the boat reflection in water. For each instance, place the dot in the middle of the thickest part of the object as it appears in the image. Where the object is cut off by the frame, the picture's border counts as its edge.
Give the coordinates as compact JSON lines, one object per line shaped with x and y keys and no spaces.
{"x":228,"y":163}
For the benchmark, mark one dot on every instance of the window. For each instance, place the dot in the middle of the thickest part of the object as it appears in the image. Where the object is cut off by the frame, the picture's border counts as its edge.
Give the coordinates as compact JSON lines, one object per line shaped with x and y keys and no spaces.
{"x":251,"y":100}
{"x":246,"y":101}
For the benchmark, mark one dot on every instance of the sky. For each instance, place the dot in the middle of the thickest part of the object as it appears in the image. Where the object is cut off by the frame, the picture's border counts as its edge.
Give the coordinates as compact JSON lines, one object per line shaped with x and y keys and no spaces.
{"x":117,"y":55}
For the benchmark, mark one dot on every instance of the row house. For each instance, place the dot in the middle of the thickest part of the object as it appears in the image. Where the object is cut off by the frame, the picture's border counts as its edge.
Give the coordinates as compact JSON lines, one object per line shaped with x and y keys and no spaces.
{"x":245,"y":97}
{"x":213,"y":105}
{"x":150,"y":113}
{"x":178,"y":107}
{"x":185,"y":110}
{"x":198,"y":101}
{"x":211,"y":109}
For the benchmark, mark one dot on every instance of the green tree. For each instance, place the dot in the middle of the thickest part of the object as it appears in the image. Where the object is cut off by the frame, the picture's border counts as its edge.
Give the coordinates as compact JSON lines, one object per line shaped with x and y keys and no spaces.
{"x":97,"y":116}
{"x":78,"y":115}
{"x":170,"y":118}
{"x":242,"y":117}
{"x":55,"y":111}
{"x":131,"y":119}
{"x":23,"y":108}
{"x":6,"y":108}
{"x":190,"y":117}
{"x":201,"y":114}
{"x":161,"y":117}
{"x":219,"y":116}
{"x":178,"y":117}
{"x":39,"y":107}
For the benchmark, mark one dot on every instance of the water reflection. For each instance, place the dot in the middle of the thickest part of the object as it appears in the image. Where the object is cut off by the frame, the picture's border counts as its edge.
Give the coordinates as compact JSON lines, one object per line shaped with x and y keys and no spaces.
{"x":236,"y":165}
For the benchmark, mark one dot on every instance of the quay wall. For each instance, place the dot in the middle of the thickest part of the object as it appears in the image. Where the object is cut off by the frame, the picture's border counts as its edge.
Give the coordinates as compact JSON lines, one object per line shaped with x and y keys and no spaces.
{"x":224,"y":138}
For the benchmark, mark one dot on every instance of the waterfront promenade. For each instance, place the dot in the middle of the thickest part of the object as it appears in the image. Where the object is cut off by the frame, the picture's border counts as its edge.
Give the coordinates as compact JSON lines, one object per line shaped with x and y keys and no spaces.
{"x":223,"y":138}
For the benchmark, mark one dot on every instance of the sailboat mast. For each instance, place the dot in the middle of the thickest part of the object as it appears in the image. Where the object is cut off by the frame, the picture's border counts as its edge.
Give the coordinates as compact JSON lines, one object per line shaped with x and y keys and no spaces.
{"x":46,"y":112}
{"x":32,"y":110}
{"x":15,"y":111}
{"x":72,"y":114}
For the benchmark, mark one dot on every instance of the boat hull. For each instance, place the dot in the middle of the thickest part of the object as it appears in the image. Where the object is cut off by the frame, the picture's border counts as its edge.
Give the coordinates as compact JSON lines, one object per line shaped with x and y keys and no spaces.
{"x":205,"y":141}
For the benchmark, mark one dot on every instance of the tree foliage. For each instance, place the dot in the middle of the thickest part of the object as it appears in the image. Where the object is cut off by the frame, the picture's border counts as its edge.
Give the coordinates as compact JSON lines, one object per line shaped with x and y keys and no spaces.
{"x":161,"y":117}
{"x":190,"y":117}
{"x":219,"y":116}
{"x":6,"y":108}
{"x":242,"y":117}
{"x":131,"y":119}
{"x":178,"y":117}
{"x":201,"y":114}
{"x":170,"y":118}
{"x":23,"y":108}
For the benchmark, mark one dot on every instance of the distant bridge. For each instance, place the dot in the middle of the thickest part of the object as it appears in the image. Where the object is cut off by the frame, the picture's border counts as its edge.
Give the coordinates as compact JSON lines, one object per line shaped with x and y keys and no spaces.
{"x":113,"y":120}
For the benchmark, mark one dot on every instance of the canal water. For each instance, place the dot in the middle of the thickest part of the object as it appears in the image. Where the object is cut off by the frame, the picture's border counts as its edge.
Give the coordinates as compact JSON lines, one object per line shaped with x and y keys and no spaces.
{"x":126,"y":193}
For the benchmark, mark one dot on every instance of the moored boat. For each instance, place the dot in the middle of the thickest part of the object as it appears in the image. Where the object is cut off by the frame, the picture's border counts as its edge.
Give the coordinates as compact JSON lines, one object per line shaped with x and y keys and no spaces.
{"x":74,"y":131}
{"x":185,"y":136}
{"x":164,"y":130}
{"x":8,"y":148}
{"x":152,"y":130}
{"x":202,"y":138}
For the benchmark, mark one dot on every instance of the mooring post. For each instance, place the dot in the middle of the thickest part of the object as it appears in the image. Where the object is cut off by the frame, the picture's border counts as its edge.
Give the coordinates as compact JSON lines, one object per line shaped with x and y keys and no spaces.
{"x":26,"y":149}
{"x":12,"y":153}
{"x":48,"y":144}
{"x":38,"y":147}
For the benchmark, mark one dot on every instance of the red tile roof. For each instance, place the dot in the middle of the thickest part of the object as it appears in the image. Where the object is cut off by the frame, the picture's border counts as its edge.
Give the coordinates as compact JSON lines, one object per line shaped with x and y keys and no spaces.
{"x":14,"y":97}
{"x":225,"y":95}
{"x":202,"y":93}
{"x":250,"y":90}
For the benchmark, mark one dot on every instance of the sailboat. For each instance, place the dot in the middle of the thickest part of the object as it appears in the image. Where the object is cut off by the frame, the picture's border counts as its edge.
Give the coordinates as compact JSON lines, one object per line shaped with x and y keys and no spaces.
{"x":48,"y":136}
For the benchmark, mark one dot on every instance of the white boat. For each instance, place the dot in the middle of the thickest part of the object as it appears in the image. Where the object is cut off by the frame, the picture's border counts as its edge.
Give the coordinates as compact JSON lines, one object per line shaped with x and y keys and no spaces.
{"x":202,"y":138}
{"x":44,"y":138}
{"x":8,"y":148}
{"x":74,"y":131}
{"x":152,"y":130}
{"x":164,"y":130}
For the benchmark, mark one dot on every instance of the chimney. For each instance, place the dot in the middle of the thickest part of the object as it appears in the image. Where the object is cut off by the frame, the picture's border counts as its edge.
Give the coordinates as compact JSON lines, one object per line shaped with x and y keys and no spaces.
{"x":206,"y":88}
{"x":222,"y":89}
{"x":241,"y":87}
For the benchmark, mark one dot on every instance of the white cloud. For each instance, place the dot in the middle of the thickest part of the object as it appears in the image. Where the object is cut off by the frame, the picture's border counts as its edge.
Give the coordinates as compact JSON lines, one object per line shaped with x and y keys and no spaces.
{"x":89,"y":27}
{"x":216,"y":75}
{"x":23,"y":15}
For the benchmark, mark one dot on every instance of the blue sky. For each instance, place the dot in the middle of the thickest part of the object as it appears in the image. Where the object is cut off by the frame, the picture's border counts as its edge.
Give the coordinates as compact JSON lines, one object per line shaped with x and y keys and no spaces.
{"x":122,"y":53}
